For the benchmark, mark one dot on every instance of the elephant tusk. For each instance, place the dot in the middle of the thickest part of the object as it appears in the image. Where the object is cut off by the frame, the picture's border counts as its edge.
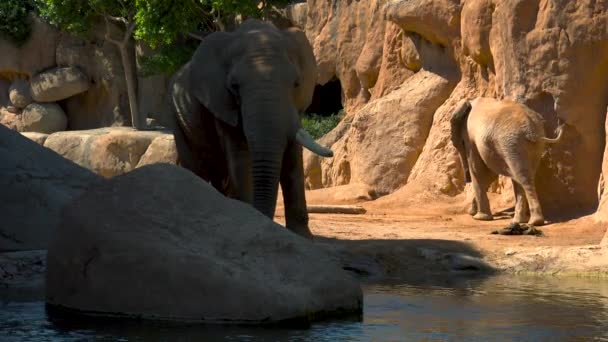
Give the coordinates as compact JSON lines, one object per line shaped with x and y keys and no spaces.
{"x":304,"y":139}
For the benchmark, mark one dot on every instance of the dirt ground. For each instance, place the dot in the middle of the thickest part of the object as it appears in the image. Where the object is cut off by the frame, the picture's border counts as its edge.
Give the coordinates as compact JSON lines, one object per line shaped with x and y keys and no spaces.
{"x":405,"y":237}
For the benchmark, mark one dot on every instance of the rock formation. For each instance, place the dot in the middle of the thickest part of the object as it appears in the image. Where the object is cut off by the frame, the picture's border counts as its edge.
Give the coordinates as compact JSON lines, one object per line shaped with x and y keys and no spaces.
{"x":161,"y":243}
{"x":115,"y":150}
{"x":550,"y":55}
{"x":83,"y":75}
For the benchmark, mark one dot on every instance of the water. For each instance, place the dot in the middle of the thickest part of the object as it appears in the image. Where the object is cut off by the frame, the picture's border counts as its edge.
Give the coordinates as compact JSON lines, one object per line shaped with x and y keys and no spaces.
{"x":503,"y":308}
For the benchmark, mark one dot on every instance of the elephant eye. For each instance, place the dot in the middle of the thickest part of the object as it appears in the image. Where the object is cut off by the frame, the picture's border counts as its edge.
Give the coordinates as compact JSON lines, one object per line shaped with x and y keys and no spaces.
{"x":296,"y":84}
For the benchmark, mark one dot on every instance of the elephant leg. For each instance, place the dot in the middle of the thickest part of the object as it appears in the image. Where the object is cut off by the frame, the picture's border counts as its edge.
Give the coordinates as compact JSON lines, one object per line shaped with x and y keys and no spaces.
{"x":292,"y":184}
{"x":536,"y":215}
{"x":522,"y":210}
{"x":481,"y":177}
{"x":522,"y":171}
{"x":187,"y":158}
{"x":238,"y":161}
{"x":474,"y":208}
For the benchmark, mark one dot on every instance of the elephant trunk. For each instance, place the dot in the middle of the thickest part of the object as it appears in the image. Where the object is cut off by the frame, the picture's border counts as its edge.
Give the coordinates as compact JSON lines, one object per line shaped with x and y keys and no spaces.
{"x":266,"y":127}
{"x":265,"y":168}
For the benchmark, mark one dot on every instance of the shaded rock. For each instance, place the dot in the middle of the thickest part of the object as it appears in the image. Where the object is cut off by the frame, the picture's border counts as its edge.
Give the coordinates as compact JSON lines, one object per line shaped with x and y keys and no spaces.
{"x":43,"y":118}
{"x":409,"y":55}
{"x":36,"y":183}
{"x":35,"y":55}
{"x":36,"y":137}
{"x":218,"y":259}
{"x":341,"y":32}
{"x":58,"y":84}
{"x":4,"y":88}
{"x":152,"y":97}
{"x":111,"y":151}
{"x":13,"y":109}
{"x":105,"y":103}
{"x":19,"y":93}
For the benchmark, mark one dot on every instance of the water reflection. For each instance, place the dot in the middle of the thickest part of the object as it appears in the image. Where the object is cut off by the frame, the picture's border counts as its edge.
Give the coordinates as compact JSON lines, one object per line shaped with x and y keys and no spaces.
{"x":504,"y":308}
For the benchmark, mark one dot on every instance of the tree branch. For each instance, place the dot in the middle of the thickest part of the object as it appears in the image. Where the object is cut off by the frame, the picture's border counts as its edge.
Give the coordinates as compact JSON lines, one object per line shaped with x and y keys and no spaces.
{"x":107,"y":36}
{"x":116,"y":19}
{"x":128,"y":33}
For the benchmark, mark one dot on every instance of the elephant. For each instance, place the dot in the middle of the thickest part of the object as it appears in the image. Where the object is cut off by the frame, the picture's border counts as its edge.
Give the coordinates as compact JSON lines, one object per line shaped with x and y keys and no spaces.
{"x":501,"y":137}
{"x":236,"y":116}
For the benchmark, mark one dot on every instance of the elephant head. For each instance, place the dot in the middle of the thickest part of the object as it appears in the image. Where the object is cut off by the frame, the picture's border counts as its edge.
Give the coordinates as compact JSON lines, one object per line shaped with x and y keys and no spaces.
{"x":258,"y":78}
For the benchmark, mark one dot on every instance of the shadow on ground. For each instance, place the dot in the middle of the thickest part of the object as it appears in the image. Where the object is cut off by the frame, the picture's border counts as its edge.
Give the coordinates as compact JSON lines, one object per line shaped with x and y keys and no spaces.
{"x":413,"y":261}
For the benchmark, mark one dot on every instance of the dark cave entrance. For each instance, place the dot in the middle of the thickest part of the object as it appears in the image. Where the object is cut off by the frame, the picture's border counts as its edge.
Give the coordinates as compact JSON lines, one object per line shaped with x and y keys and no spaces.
{"x":327,"y":99}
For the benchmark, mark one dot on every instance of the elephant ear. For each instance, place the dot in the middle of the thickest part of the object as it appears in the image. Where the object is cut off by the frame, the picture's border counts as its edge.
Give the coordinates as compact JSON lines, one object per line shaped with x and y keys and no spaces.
{"x":301,"y":54}
{"x":210,"y":65}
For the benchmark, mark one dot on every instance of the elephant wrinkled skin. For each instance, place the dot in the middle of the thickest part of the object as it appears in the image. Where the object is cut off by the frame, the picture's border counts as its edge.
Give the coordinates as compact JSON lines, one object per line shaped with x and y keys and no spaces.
{"x":501,"y":138}
{"x":237,"y":125}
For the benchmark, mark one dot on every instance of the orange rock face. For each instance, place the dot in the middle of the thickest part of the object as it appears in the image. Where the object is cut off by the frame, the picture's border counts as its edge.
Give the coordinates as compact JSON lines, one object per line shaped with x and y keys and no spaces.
{"x":404,"y":65}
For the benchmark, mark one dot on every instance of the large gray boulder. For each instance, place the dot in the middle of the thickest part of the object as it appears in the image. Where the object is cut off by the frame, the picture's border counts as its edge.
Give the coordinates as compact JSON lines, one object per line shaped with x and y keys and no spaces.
{"x":43,"y":118}
{"x":19,"y":93}
{"x":58,"y":84}
{"x":160,"y":243}
{"x":36,"y":183}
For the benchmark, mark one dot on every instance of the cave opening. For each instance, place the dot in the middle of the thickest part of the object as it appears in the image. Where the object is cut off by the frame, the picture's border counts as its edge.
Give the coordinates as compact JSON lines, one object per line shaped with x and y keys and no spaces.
{"x":327,"y":99}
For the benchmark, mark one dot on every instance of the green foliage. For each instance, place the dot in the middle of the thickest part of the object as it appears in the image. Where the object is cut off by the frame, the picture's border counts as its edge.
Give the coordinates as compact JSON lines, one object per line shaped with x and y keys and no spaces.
{"x":167,"y":60}
{"x":160,"y":22}
{"x":70,"y":15}
{"x":318,"y":125}
{"x":14,"y":23}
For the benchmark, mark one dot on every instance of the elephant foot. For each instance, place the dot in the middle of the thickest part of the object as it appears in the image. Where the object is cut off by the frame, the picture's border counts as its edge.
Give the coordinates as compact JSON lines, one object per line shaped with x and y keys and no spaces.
{"x":536,"y":221}
{"x":483,"y":217}
{"x":520,"y":219}
{"x":473,"y":208}
{"x":303,"y":231}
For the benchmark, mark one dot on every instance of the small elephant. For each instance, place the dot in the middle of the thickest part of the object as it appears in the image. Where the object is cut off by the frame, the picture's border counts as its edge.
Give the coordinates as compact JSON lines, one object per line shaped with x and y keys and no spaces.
{"x":237,"y":106}
{"x":501,"y":138}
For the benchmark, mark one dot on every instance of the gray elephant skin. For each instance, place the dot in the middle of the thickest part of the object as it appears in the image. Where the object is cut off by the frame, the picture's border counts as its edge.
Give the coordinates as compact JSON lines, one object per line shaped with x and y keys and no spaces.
{"x":499,"y":137}
{"x":237,"y":109}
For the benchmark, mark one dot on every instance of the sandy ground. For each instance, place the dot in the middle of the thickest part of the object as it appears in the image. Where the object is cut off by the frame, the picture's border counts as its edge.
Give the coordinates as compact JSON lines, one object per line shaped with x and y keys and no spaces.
{"x":407,"y":237}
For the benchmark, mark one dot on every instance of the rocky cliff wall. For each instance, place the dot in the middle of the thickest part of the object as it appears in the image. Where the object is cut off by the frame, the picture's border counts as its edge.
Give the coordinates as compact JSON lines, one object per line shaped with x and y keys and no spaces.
{"x":404,"y":65}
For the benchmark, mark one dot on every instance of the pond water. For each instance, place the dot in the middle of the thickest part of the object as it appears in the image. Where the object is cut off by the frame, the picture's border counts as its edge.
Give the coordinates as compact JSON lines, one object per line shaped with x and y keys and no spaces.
{"x":503,"y":308}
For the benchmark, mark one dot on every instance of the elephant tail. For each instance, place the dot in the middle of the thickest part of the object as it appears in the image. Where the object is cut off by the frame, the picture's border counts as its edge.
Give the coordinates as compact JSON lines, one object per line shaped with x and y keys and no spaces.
{"x":461,"y":114}
{"x":457,"y":123}
{"x":560,"y":130}
{"x":459,"y":119}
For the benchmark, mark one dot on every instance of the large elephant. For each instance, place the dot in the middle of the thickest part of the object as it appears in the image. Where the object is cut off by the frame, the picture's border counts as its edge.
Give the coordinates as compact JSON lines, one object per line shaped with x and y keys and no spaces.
{"x":237,"y":105}
{"x":501,"y":138}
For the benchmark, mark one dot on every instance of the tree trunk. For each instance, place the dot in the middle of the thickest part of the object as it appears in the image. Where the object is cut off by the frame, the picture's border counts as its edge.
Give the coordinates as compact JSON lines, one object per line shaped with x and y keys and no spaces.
{"x":130,"y":77}
{"x":137,"y":121}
